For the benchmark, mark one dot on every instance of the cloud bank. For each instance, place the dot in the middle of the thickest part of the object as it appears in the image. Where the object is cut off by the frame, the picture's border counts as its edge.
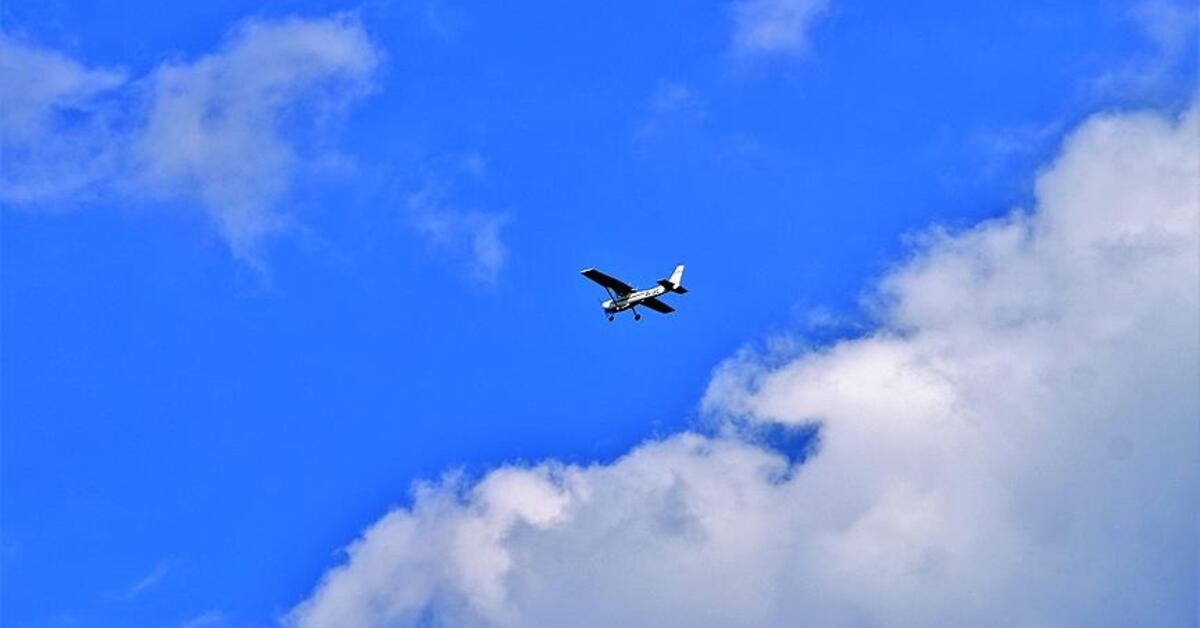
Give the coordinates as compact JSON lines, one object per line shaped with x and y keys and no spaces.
{"x":1015,"y":445}
{"x":222,"y":131}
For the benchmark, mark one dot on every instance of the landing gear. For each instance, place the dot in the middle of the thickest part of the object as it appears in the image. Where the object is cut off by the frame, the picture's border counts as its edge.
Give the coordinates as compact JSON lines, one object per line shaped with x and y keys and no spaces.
{"x":636,"y":316}
{"x":610,"y":319}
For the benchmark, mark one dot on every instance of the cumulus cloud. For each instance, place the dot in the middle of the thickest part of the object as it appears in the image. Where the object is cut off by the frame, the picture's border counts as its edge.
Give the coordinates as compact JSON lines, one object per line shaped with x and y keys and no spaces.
{"x":222,"y":131}
{"x":1014,"y":445}
{"x":774,"y":26}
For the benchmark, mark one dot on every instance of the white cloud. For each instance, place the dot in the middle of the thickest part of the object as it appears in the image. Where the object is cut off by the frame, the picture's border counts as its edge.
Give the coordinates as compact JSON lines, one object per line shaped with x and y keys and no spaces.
{"x":469,"y":238}
{"x":1170,"y":27}
{"x":208,"y":618}
{"x":149,"y":581}
{"x":55,"y":130}
{"x":774,"y":26}
{"x":221,"y":131}
{"x":215,"y":126}
{"x":672,"y":106}
{"x":676,"y":99}
{"x":1016,"y":445}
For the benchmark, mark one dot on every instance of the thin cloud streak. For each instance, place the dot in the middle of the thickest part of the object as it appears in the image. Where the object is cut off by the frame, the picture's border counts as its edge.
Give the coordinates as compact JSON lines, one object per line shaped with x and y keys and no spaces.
{"x":151,"y":580}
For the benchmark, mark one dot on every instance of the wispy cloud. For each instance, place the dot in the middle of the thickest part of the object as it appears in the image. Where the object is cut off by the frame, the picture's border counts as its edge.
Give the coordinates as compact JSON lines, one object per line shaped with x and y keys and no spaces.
{"x":997,"y":149}
{"x":204,"y":620}
{"x":1170,"y":27}
{"x":149,"y":581}
{"x":56,"y":124}
{"x":671,"y":105}
{"x":214,"y":131}
{"x":1014,"y":444}
{"x":468,"y":238}
{"x":673,"y":98}
{"x":224,"y":132}
{"x":774,"y":27}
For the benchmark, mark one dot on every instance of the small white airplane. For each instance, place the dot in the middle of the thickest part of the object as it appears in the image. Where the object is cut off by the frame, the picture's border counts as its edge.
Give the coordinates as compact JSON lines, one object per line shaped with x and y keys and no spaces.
{"x":626,"y":297}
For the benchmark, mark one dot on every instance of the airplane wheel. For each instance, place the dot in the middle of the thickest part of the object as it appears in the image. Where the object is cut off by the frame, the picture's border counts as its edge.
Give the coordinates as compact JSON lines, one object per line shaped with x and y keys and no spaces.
{"x":610,"y":319}
{"x":637,"y":317}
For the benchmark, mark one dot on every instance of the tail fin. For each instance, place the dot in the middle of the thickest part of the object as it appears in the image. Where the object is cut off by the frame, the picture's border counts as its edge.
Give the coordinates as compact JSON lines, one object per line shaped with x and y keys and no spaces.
{"x":676,"y":280}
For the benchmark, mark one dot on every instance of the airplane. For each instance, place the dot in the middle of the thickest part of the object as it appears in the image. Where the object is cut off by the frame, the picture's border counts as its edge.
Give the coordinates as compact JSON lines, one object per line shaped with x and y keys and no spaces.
{"x":626,"y":297}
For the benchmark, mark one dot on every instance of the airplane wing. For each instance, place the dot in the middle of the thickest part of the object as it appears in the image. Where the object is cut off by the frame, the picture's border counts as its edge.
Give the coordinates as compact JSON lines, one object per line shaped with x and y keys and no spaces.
{"x":612,"y":283}
{"x":657,"y":306}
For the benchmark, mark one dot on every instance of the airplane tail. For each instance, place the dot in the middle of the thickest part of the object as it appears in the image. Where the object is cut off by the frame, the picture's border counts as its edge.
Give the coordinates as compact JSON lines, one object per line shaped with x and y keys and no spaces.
{"x":675,"y":283}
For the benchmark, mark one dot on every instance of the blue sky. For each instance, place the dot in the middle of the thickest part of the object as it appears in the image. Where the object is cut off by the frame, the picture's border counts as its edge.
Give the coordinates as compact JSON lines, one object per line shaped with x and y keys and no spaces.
{"x":199,"y":411}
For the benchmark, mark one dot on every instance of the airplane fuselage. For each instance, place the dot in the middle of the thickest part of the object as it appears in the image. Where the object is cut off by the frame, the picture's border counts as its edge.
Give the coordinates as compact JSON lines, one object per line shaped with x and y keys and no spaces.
{"x":623,"y":296}
{"x":632,"y":299}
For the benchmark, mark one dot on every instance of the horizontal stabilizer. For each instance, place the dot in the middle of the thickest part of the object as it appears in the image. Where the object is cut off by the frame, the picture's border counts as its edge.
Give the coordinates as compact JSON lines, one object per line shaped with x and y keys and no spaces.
{"x":666,"y":283}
